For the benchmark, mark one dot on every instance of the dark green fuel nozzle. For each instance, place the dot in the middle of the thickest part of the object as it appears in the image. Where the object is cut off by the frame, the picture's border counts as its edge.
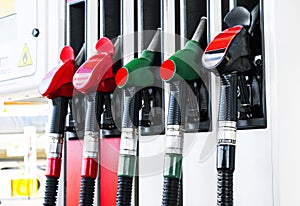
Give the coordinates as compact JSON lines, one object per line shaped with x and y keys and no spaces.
{"x":185,"y":63}
{"x":137,"y":71}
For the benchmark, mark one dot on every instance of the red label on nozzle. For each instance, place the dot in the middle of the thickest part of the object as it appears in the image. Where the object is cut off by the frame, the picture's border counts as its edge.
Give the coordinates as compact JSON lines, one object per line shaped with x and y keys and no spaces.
{"x":121,"y":77}
{"x":217,"y":48}
{"x":167,"y":70}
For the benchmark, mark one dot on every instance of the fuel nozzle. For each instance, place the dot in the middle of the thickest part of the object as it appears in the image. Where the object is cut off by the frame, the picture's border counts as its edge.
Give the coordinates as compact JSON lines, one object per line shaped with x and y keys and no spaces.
{"x":133,"y":78}
{"x":95,"y":79}
{"x":229,"y":51}
{"x":181,"y":69}
{"x":137,"y":73}
{"x":142,"y":73}
{"x":228,"y":56}
{"x":96,"y":76}
{"x":57,"y":85}
{"x":185,"y":63}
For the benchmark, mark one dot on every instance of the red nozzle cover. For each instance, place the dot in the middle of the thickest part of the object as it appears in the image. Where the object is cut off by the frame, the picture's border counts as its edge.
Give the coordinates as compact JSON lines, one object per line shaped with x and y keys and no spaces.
{"x":58,"y":82}
{"x":96,"y":73}
{"x":121,"y":76}
{"x":167,"y":70}
{"x":217,"y":48}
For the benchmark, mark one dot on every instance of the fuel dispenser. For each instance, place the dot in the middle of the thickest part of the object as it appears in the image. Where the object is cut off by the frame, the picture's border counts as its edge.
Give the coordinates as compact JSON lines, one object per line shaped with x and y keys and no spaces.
{"x":189,"y":110}
{"x":230,"y":56}
{"x":57,"y":85}
{"x":95,"y":79}
{"x":133,"y":78}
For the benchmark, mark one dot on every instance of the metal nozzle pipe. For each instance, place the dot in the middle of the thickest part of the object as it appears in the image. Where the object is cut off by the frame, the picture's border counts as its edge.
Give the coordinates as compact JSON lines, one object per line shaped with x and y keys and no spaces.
{"x":117,"y":45}
{"x":81,"y":56}
{"x":155,"y":42}
{"x":201,"y":29}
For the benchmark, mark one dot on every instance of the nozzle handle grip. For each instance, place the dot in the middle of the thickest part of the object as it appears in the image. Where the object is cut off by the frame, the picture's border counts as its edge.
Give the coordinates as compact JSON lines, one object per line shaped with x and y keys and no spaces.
{"x":59,"y":112}
{"x":228,"y":98}
{"x":91,"y":115}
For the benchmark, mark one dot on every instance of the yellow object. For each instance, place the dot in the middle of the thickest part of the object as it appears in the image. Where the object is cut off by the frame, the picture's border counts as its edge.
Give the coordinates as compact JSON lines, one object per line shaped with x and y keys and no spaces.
{"x":7,"y":7}
{"x":24,"y":187}
{"x":25,"y":59}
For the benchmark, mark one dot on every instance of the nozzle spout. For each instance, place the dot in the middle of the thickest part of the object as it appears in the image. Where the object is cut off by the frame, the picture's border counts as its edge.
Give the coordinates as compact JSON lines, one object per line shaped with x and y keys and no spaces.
{"x":200,"y":32}
{"x":155,"y":42}
{"x":117,"y":46}
{"x":81,"y":56}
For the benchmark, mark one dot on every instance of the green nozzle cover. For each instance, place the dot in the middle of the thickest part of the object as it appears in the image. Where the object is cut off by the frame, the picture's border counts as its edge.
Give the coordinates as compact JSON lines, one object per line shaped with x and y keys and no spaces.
{"x":138,"y":71}
{"x":187,"y":62}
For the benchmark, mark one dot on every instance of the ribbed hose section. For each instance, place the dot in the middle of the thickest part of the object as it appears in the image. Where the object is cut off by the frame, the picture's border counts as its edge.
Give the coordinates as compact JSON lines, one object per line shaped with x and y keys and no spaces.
{"x":228,"y":96}
{"x":174,"y":112}
{"x":126,"y":121}
{"x":171,"y":192}
{"x":124,"y":192}
{"x":225,"y":188}
{"x":50,"y":191}
{"x":87,"y":189}
{"x":91,"y":120}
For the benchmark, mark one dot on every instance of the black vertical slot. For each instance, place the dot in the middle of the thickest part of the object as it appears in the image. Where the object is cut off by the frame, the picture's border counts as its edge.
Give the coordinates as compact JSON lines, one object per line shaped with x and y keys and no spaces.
{"x":194,"y":11}
{"x":251,"y":89}
{"x":77,"y":19}
{"x":177,"y":25}
{"x":150,"y":20}
{"x":112,"y":18}
{"x":225,"y":10}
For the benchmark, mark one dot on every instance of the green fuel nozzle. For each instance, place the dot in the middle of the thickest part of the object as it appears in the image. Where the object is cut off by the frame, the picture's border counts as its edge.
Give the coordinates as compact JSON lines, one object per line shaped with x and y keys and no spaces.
{"x":137,"y":72}
{"x":134,"y":75}
{"x":185,"y":63}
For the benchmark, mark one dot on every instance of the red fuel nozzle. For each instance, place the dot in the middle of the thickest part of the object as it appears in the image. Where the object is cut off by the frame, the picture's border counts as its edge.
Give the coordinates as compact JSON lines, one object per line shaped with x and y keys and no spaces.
{"x":96,"y":73}
{"x":58,"y":82}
